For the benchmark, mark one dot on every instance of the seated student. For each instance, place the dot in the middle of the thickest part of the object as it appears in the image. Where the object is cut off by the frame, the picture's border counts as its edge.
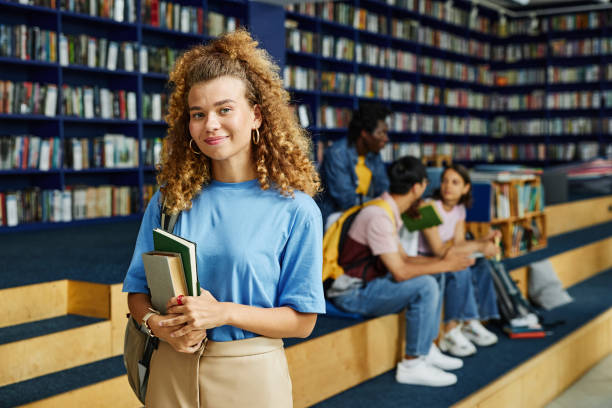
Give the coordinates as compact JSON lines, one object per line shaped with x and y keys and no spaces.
{"x":395,"y":281}
{"x":469,"y":295}
{"x":352,"y":170}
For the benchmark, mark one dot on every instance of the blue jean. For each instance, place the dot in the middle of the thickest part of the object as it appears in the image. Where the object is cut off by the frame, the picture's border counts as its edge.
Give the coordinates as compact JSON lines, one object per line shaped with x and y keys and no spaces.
{"x":420,"y":296}
{"x":469,"y":294}
{"x":484,"y":290}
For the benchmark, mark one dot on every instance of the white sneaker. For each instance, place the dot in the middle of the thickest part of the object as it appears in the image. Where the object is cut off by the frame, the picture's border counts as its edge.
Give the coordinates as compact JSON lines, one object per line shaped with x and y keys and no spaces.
{"x":436,"y":358}
{"x":420,"y":372}
{"x":455,"y":343}
{"x":476,"y":333}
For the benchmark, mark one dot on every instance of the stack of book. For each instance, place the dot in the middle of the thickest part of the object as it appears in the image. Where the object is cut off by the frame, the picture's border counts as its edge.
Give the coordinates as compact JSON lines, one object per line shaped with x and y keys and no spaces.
{"x":525,"y":332}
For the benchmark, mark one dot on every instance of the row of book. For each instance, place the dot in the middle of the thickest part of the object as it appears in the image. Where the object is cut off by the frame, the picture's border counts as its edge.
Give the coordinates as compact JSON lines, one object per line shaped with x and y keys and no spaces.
{"x":28,"y":43}
{"x":95,"y":52}
{"x":445,"y":11}
{"x":73,"y":203}
{"x":109,"y":151}
{"x":568,"y":22}
{"x":501,"y":152}
{"x":564,"y":47}
{"x":218,"y":23}
{"x":453,"y":43}
{"x":525,"y":236}
{"x":30,"y":152}
{"x":346,"y":14}
{"x":552,"y":75}
{"x":96,"y":102}
{"x":172,"y":16}
{"x":539,"y":100}
{"x":480,"y":74}
{"x":559,"y":47}
{"x":40,"y":3}
{"x":586,"y":73}
{"x":525,"y":76}
{"x":33,"y":43}
{"x":575,"y":126}
{"x":118,"y":10}
{"x":340,"y":48}
{"x":28,"y":98}
{"x":154,"y":106}
{"x":22,"y":152}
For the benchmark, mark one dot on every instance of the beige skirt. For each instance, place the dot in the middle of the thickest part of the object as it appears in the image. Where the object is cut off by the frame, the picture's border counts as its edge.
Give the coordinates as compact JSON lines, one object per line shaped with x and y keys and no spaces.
{"x":240,"y":373}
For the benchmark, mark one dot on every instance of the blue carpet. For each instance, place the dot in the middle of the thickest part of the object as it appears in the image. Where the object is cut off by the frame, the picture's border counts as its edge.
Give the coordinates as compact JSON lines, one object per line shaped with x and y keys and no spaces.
{"x":98,"y":253}
{"x":591,"y":298}
{"x":43,"y":327}
{"x":52,"y":384}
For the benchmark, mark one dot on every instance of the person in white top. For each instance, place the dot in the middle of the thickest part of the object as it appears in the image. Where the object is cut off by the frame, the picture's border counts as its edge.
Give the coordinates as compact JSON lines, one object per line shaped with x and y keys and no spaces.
{"x":469,"y":295}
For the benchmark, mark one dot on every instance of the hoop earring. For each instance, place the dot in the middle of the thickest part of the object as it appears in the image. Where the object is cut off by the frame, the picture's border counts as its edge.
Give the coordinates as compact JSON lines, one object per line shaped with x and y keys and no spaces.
{"x":255,"y":137}
{"x":192,"y":149}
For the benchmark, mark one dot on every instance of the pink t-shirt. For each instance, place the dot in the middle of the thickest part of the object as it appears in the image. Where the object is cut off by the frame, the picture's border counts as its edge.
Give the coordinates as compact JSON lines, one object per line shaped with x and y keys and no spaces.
{"x":374,"y":228}
{"x":447,"y":228}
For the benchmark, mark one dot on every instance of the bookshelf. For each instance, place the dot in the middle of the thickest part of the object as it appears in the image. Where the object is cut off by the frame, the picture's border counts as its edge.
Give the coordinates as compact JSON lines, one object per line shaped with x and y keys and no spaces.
{"x":82,"y":96}
{"x":457,"y":81}
{"x":514,"y":206}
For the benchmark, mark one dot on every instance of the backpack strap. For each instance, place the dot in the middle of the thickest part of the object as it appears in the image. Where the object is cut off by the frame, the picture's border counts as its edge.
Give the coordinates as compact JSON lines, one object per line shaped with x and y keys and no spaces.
{"x":167,"y":220}
{"x":333,"y":240}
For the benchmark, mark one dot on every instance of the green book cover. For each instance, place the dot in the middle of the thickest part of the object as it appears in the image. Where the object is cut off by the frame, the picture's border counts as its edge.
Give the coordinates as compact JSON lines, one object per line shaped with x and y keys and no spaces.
{"x":429,"y":218}
{"x":167,"y":242}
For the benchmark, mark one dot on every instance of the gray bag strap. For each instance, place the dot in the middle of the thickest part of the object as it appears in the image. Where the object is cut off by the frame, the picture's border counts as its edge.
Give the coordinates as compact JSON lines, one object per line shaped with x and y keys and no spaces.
{"x":168,"y":221}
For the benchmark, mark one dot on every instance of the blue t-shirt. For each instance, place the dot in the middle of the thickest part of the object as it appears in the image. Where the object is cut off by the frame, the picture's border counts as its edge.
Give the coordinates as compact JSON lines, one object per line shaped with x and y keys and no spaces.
{"x":254,"y":247}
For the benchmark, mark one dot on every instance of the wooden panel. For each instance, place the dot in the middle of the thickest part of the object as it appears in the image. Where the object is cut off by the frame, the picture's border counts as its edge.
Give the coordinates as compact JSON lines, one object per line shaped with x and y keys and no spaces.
{"x":581,"y":263}
{"x":22,"y":360}
{"x":507,"y":397}
{"x":520,"y":276}
{"x":32,"y":302}
{"x":119,"y":309}
{"x":580,"y":214}
{"x":540,"y":384}
{"x":569,"y":359}
{"x":88,"y":299}
{"x":329,"y":364}
{"x":114,"y":393}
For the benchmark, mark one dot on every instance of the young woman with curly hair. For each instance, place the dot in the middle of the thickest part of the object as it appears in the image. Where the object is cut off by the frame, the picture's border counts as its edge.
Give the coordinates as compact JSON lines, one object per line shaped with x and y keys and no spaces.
{"x":235,"y":164}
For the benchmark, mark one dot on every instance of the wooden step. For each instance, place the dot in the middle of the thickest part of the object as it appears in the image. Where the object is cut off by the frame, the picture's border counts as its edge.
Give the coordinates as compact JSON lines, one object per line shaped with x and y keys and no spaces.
{"x":40,"y":301}
{"x":38,"y":348}
{"x":30,"y":303}
{"x":95,"y":385}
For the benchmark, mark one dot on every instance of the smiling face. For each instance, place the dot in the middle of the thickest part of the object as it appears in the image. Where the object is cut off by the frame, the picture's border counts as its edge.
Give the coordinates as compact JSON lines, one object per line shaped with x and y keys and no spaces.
{"x":221,"y":120}
{"x":453,"y":187}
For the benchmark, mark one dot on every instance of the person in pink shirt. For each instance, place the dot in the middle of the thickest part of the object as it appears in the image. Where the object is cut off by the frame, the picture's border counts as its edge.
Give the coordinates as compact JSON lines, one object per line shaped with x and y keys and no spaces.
{"x":469,"y":295}
{"x":380,"y":278}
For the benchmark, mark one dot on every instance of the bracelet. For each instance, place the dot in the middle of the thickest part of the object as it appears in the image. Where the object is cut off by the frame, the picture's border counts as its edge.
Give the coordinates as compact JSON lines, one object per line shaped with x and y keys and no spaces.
{"x":145,"y":325}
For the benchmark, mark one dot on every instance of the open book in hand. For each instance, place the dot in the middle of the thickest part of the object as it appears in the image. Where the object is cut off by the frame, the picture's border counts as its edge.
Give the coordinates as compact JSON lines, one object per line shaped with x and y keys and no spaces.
{"x":167,"y":242}
{"x":165,"y":277}
{"x":429,"y":218}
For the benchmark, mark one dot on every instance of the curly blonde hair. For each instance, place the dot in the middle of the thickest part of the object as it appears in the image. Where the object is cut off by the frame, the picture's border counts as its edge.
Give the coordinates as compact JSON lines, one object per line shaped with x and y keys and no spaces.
{"x":282,"y":156}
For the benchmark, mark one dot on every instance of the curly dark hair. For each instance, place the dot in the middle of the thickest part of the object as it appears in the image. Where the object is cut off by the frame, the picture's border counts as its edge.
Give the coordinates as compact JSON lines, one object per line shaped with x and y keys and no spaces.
{"x":466,"y":199}
{"x":282,"y":158}
{"x":366,"y":118}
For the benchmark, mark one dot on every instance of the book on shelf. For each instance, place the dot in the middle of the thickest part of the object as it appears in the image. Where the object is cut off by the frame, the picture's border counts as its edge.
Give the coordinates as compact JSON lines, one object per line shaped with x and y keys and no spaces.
{"x":429,"y":217}
{"x":165,"y":277}
{"x":168,"y":242}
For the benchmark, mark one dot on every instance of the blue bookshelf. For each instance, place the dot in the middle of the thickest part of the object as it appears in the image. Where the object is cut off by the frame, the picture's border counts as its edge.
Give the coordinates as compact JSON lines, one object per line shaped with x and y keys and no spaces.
{"x":473,"y":43}
{"x":62,"y":127}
